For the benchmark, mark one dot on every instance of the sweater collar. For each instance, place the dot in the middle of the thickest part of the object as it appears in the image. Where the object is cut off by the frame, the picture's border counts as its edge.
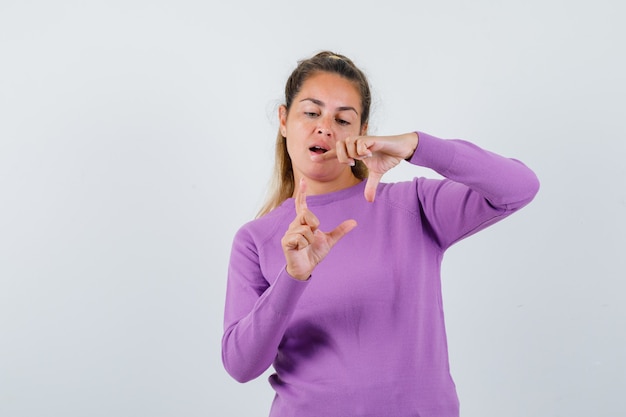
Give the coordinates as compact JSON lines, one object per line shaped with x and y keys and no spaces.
{"x":335,"y":196}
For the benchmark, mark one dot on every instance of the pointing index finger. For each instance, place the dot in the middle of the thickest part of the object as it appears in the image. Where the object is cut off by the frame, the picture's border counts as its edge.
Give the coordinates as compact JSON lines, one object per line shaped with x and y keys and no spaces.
{"x":330,"y":154}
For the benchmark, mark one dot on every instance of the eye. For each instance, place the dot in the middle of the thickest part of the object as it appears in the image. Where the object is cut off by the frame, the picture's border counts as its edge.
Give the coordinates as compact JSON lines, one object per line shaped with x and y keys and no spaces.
{"x":310,"y":114}
{"x":342,"y":122}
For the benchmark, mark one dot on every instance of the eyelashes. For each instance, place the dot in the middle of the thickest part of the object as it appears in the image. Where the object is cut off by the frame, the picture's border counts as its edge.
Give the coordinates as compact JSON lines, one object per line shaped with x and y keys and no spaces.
{"x":339,"y":121}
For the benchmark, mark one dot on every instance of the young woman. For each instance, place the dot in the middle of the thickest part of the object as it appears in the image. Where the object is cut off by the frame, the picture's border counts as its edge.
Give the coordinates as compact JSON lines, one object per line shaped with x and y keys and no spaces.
{"x":337,"y":283}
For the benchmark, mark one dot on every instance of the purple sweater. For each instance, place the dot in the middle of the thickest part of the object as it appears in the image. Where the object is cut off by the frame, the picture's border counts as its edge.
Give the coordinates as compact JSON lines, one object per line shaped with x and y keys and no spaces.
{"x":365,"y":335}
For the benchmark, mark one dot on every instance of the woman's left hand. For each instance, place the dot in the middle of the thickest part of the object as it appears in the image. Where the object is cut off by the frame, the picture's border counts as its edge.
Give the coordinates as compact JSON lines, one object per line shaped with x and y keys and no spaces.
{"x":378,"y":153}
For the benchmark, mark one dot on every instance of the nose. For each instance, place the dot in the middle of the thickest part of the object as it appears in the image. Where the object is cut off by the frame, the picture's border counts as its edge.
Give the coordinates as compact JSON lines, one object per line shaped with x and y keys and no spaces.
{"x":323,"y":127}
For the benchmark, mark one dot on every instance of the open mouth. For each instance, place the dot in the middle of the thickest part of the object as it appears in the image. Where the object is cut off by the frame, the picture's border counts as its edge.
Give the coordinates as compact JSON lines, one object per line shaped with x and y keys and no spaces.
{"x":318,"y":150}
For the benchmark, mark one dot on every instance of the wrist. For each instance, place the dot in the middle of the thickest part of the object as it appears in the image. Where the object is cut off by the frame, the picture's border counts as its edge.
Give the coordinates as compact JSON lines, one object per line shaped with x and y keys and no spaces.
{"x":297,"y":276}
{"x":413,"y":139}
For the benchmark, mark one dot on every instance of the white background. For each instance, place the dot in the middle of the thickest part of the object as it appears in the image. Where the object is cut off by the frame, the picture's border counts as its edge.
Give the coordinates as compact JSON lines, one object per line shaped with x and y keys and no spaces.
{"x":137,"y":136}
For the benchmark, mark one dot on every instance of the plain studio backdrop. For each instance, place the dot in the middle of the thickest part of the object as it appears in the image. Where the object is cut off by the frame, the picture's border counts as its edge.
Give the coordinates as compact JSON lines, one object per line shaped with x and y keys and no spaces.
{"x":136,"y":137}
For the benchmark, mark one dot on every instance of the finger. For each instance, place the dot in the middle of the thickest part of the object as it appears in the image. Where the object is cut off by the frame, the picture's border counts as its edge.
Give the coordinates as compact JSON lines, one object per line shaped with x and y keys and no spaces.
{"x":340,"y":231}
{"x":362,"y":148}
{"x":342,"y":153}
{"x":350,"y":145}
{"x":295,"y":241}
{"x":300,"y":200}
{"x":298,"y":237}
{"x":370,"y":187}
{"x":331,"y":154}
{"x":303,"y":215}
{"x":309,"y":219}
{"x":305,"y":233}
{"x":357,"y":147}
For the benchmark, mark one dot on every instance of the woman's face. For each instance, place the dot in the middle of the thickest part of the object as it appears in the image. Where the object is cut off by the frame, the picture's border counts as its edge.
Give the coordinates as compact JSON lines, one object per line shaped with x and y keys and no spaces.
{"x":327,"y":108}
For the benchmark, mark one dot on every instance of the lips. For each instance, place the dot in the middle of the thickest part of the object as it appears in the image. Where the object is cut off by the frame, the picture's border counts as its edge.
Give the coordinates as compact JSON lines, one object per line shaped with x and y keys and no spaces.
{"x":318,"y":149}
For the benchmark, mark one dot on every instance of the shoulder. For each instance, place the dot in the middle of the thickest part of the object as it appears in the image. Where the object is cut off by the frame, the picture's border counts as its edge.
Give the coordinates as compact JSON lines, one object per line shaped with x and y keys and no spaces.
{"x":401,"y":195}
{"x":264,"y":228}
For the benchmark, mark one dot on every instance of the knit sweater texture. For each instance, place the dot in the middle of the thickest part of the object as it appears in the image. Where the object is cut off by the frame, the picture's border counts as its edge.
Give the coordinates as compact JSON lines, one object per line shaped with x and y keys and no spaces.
{"x":365,"y":335}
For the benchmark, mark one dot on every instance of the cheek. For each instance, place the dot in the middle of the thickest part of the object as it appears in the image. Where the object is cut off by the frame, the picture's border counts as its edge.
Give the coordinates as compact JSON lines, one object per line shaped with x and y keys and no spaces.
{"x":298,"y":130}
{"x":290,"y":145}
{"x":349,"y":131}
{"x":301,"y":125}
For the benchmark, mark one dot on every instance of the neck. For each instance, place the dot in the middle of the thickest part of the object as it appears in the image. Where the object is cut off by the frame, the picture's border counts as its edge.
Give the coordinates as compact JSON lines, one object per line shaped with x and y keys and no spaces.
{"x":316,"y":187}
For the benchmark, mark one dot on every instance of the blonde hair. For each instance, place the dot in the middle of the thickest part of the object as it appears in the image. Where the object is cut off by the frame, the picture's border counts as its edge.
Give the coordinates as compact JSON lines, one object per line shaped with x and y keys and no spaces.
{"x":282,"y":182}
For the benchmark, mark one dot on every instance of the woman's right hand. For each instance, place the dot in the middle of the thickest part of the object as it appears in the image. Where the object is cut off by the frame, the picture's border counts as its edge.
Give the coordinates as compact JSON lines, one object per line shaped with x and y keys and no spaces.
{"x":304,"y":244}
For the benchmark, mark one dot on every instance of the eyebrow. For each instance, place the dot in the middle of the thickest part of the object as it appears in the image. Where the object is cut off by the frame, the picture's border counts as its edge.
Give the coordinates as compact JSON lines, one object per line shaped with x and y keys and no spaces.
{"x":321,"y":104}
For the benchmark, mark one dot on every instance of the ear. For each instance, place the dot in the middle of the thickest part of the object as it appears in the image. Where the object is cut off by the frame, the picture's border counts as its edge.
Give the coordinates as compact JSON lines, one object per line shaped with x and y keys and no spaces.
{"x":282,"y":119}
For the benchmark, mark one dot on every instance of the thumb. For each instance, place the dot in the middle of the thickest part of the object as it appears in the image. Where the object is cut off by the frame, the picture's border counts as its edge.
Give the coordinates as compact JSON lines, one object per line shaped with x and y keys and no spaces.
{"x":370,"y":187}
{"x":340,"y":231}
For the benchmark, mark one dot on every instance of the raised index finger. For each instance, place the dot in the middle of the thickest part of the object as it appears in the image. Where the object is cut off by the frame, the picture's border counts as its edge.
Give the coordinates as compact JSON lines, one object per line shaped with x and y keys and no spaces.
{"x":300,"y":202}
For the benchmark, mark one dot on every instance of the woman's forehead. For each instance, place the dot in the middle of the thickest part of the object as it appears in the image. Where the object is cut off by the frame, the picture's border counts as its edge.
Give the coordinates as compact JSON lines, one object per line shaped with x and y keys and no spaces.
{"x":329,"y":89}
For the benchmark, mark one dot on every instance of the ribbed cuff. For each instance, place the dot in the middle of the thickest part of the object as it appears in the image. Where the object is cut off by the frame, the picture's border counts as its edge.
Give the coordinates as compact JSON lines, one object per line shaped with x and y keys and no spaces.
{"x":286,"y":292}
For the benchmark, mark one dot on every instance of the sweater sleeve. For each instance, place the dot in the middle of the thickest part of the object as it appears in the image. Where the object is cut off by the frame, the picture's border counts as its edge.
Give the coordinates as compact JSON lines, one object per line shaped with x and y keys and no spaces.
{"x":256,"y":313}
{"x":479,"y":189}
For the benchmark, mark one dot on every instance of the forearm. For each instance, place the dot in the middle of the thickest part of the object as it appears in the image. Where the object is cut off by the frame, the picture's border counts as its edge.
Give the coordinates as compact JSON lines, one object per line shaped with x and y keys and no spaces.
{"x":250,"y":343}
{"x":505,"y":183}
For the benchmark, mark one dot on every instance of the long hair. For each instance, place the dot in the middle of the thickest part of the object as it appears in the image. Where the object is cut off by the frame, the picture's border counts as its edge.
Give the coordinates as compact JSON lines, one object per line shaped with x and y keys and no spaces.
{"x":282,"y":182}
